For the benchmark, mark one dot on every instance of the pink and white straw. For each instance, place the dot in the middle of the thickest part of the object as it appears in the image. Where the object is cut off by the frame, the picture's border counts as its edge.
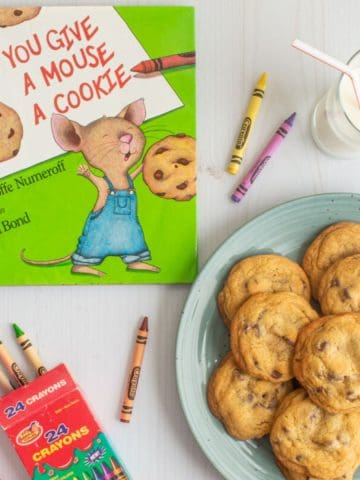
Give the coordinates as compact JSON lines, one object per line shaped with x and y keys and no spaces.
{"x":332,"y":62}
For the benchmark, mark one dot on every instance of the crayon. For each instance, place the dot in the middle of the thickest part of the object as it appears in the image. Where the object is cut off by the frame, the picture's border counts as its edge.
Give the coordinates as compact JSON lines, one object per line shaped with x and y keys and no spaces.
{"x":108,"y":474}
{"x":163,"y":63}
{"x":134,"y":375}
{"x":28,"y":349}
{"x":96,"y":474}
{"x":86,"y":476}
{"x":262,"y":160}
{"x":117,"y":470}
{"x":12,"y":367}
{"x":5,"y":383}
{"x":247,"y":125}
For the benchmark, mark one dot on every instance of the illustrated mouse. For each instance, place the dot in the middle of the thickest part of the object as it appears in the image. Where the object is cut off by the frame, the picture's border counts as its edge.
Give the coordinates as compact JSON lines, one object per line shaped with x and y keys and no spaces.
{"x":112,"y":145}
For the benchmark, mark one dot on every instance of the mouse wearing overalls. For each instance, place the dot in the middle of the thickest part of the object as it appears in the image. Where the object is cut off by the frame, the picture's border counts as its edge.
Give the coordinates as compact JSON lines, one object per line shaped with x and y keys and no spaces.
{"x":112,"y":145}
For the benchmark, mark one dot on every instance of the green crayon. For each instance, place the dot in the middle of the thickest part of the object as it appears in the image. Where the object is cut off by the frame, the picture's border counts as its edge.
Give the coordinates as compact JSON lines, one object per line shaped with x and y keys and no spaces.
{"x":28,"y":349}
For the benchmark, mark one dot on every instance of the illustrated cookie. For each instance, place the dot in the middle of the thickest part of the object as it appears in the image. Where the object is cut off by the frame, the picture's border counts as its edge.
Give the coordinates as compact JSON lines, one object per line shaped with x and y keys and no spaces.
{"x":246,"y":406}
{"x":10,"y":16}
{"x":169,"y":168}
{"x":310,"y":441}
{"x":335,"y":242}
{"x":327,"y":361}
{"x":339,"y":288}
{"x":260,"y":273}
{"x":264,"y":331}
{"x":11,"y":132}
{"x":290,"y":475}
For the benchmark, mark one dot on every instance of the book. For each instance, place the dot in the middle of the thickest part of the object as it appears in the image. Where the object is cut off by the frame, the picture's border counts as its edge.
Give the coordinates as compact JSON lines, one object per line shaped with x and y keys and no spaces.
{"x":97,"y":159}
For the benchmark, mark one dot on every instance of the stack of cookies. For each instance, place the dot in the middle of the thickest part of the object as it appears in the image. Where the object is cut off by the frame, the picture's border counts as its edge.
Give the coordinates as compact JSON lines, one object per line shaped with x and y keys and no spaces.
{"x":276,"y":336}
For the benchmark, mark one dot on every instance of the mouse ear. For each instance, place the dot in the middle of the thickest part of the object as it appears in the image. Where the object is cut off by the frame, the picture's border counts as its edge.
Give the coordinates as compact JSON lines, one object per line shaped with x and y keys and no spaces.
{"x":135,"y":112}
{"x":67,"y":134}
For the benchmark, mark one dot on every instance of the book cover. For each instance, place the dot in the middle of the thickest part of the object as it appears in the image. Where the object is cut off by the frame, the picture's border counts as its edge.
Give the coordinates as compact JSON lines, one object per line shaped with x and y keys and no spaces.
{"x":97,"y":145}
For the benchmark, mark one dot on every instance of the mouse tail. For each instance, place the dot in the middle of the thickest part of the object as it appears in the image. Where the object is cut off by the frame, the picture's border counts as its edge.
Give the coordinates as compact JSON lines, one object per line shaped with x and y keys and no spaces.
{"x":43,"y":262}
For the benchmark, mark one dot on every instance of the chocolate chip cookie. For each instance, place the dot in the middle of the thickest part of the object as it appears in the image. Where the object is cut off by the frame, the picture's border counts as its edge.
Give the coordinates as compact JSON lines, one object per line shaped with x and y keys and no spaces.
{"x":170,"y":167}
{"x":310,"y":441}
{"x":260,"y":273}
{"x":335,"y":242}
{"x":264,"y":331}
{"x":246,"y":406}
{"x":10,"y":16}
{"x":290,"y":475}
{"x":339,"y":288}
{"x":11,"y":132}
{"x":327,"y":361}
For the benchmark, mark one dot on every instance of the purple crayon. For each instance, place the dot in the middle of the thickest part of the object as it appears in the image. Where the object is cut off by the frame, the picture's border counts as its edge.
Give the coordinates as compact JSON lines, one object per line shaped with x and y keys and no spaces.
{"x":96,"y":474}
{"x":108,"y":474}
{"x":263,"y":158}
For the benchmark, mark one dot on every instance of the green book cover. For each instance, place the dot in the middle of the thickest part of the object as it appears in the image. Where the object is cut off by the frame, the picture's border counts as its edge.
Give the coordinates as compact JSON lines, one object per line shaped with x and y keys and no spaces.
{"x":97,"y":145}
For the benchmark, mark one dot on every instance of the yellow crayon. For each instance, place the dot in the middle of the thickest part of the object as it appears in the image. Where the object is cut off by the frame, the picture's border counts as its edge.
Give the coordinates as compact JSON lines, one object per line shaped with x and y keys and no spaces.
{"x":28,"y":349}
{"x":247,"y":125}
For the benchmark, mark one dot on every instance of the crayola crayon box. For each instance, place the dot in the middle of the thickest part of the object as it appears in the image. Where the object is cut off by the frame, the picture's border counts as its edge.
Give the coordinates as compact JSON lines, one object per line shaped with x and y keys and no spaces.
{"x":54,"y":432}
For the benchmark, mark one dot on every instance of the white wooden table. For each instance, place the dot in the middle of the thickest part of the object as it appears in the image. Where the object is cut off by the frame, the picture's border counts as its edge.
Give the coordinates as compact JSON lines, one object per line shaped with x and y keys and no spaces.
{"x":90,"y":327}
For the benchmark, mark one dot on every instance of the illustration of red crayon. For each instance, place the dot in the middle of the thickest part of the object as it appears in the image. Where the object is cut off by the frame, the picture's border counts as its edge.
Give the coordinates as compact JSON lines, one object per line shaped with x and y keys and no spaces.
{"x":163,"y":63}
{"x":117,"y":470}
{"x":134,"y":375}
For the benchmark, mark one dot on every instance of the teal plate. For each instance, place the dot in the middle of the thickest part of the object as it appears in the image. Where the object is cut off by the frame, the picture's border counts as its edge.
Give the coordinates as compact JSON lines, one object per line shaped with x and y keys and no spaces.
{"x":203,"y":339}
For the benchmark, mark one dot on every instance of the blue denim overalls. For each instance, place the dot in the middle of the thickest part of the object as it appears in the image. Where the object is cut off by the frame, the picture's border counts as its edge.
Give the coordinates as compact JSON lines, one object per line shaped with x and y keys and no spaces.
{"x":113,"y":231}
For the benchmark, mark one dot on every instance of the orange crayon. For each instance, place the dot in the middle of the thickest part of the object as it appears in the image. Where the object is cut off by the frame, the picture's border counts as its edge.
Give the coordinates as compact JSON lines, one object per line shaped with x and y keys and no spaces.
{"x":117,"y":471}
{"x":12,"y":367}
{"x":134,"y":375}
{"x":163,"y":63}
{"x":5,"y":384}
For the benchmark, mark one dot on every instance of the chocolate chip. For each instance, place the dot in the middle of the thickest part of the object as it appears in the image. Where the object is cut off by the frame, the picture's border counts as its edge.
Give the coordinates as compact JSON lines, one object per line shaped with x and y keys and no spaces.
{"x":15,"y":152}
{"x":159,"y":175}
{"x":250,"y":397}
{"x":273,"y":404}
{"x":351,"y":396}
{"x":276,"y":374}
{"x":286,"y":430}
{"x":322,"y":346}
{"x":161,"y":150}
{"x":299,"y":458}
{"x":183,"y":161}
{"x":313,"y":416}
{"x":346,"y":294}
{"x":180,"y":135}
{"x":257,"y":329}
{"x":335,"y":283}
{"x":11,"y":133}
{"x":182,"y":186}
{"x":256,"y":363}
{"x":18,"y":13}
{"x":333,"y":376}
{"x":246,"y":328}
{"x":161,"y":194}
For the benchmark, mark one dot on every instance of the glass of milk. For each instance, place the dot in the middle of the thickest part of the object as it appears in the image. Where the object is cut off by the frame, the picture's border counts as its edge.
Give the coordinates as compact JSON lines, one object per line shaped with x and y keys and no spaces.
{"x":335,"y":123}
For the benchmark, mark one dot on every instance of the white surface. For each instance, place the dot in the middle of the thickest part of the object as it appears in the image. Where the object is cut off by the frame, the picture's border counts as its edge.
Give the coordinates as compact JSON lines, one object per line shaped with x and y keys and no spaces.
{"x":90,"y":327}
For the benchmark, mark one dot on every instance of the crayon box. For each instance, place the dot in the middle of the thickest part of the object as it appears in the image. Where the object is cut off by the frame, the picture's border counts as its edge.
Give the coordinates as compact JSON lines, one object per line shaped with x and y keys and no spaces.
{"x":55,"y":433}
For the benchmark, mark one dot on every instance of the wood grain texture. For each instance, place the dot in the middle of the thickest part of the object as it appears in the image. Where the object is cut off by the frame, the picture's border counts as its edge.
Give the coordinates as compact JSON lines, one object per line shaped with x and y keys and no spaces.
{"x":90,"y":327}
